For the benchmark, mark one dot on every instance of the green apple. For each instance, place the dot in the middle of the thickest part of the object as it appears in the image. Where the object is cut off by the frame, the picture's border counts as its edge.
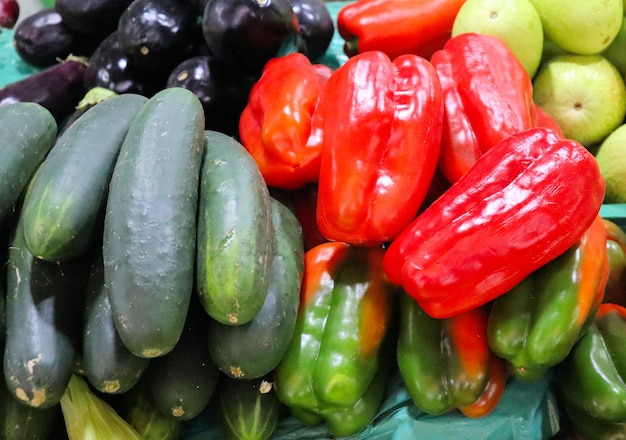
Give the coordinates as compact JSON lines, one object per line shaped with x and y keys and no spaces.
{"x":616,"y":51}
{"x":581,"y":26}
{"x":516,"y":22}
{"x":584,"y":93}
{"x":611,"y":157}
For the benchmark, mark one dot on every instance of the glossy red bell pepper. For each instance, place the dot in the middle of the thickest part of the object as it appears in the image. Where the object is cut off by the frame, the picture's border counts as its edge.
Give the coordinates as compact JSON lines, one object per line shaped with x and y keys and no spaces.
{"x":397,"y":27}
{"x":525,"y":202}
{"x":277,"y":125}
{"x":487,"y":96}
{"x":381,"y":138}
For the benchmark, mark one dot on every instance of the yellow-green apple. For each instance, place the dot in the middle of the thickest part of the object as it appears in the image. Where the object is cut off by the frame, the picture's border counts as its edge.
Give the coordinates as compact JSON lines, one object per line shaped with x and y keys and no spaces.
{"x":584,"y":93}
{"x":616,"y":51}
{"x":516,"y":22}
{"x":581,"y":26}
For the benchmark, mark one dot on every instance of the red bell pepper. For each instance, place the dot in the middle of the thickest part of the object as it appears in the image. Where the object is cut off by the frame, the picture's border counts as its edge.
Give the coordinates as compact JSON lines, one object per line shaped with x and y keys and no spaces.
{"x":487,"y":96}
{"x":397,"y":27}
{"x":277,"y":125}
{"x":525,"y":202}
{"x":381,"y":138}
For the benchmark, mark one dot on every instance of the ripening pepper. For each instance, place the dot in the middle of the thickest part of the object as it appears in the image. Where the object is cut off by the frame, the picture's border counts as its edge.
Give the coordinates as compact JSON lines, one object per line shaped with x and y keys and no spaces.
{"x":397,"y":27}
{"x":593,"y":376}
{"x":381,"y":138}
{"x":446,"y":364}
{"x":525,"y":202}
{"x":615,"y":291}
{"x":535,"y":325}
{"x":333,"y":367}
{"x":487,"y":96}
{"x":277,"y":125}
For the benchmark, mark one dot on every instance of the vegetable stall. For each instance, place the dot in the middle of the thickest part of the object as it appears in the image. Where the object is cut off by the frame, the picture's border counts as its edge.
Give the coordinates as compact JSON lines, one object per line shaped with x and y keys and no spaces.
{"x":296,"y":219}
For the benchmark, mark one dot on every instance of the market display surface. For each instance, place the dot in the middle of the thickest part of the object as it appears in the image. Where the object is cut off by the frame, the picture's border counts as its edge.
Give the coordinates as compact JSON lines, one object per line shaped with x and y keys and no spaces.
{"x":281,"y":219}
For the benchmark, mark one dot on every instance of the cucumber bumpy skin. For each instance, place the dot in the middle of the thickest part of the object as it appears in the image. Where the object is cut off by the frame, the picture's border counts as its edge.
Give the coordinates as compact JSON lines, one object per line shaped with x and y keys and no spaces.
{"x":235,"y":232}
{"x":65,"y":200}
{"x":27,"y":132}
{"x":149,"y":233}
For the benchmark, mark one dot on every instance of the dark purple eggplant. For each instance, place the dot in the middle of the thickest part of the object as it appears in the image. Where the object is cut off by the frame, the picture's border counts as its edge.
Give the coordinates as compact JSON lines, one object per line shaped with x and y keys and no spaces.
{"x":41,"y":39}
{"x":222,"y":92}
{"x":110,"y":68}
{"x":248,"y":33}
{"x":9,"y":13}
{"x":158,"y":34}
{"x":95,"y":17}
{"x":58,"y":88}
{"x":316,"y":26}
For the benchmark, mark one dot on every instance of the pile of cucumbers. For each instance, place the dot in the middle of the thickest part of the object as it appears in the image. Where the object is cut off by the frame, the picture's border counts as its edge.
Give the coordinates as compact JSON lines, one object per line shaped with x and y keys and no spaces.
{"x":139,"y":248}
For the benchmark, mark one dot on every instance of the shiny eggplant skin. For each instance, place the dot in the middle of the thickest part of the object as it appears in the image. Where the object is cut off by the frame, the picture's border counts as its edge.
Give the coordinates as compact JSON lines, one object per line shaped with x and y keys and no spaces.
{"x":158,"y":34}
{"x":247,"y":33}
{"x":222,"y":92}
{"x":315,"y":25}
{"x":110,"y":67}
{"x":58,"y":88}
{"x":41,"y":39}
{"x":96,"y":17}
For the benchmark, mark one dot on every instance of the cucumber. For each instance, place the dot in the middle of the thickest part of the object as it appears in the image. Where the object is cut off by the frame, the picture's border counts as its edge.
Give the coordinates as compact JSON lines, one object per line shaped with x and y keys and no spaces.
{"x":252,"y":350}
{"x":67,"y":195}
{"x":23,"y":422}
{"x":248,"y":408}
{"x":235,"y":243}
{"x":43,"y":309}
{"x":149,"y":237}
{"x":28,"y":132}
{"x":139,"y":409}
{"x":108,"y":365}
{"x":183,"y":381}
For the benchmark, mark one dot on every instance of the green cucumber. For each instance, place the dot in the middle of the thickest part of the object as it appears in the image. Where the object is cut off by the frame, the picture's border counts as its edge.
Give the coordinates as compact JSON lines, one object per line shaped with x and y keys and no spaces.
{"x":28,"y":132}
{"x":149,"y":237}
{"x":139,"y":409}
{"x":66,"y":197}
{"x":108,"y":365}
{"x":235,"y":243}
{"x":248,"y":408}
{"x":183,"y":381}
{"x":253,"y":349}
{"x":23,"y":422}
{"x":43,"y":327}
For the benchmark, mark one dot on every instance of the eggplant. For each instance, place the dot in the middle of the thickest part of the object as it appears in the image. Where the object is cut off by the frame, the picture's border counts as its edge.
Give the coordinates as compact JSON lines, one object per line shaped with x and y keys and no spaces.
{"x":110,"y":68}
{"x":248,"y":33}
{"x":41,"y":39}
{"x":315,"y":25}
{"x":222,"y":92}
{"x":95,"y":17}
{"x":158,"y":34}
{"x":58,"y":88}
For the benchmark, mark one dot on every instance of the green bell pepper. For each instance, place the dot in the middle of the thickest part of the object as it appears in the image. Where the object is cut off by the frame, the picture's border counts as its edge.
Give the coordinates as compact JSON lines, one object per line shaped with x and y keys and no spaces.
{"x":615,"y":291}
{"x":446,"y":363}
{"x":593,"y":376}
{"x":584,"y":426}
{"x":534,"y":325}
{"x":332,"y":370}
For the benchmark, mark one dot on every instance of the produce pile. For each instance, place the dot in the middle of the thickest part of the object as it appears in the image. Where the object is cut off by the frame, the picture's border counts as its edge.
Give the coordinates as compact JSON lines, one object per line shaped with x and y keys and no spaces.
{"x":201,"y":214}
